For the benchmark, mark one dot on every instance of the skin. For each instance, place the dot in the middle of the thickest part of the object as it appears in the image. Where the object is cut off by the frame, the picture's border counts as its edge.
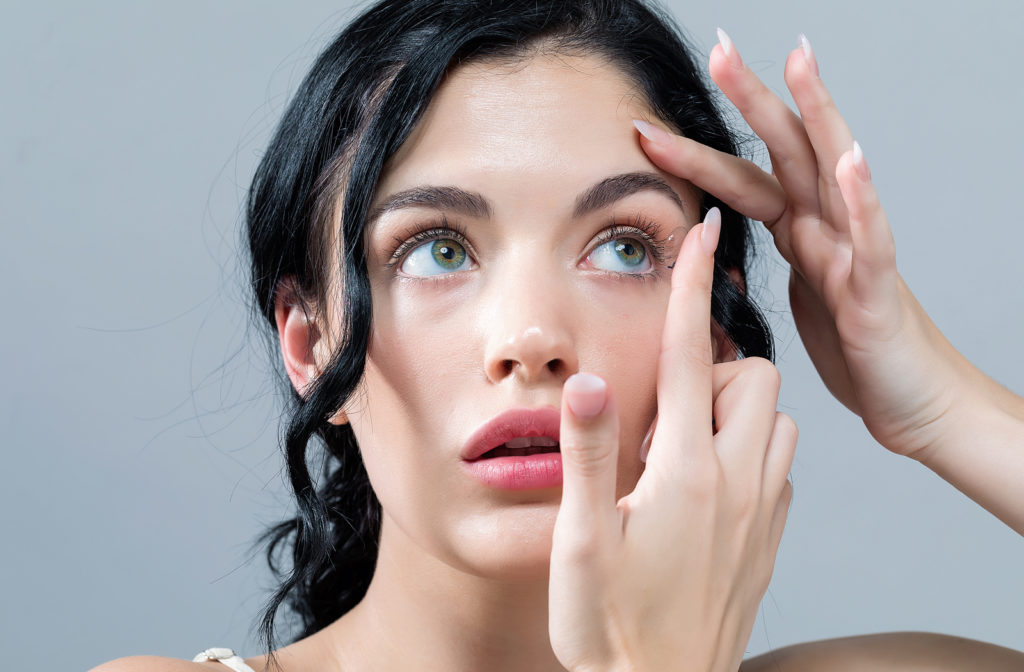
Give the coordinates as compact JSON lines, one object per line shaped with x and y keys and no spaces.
{"x":547,"y":130}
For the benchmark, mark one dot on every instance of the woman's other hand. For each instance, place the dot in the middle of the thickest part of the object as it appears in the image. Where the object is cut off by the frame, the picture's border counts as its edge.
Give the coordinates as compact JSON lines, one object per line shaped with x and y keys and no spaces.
{"x":670,"y":577}
{"x":871,"y":341}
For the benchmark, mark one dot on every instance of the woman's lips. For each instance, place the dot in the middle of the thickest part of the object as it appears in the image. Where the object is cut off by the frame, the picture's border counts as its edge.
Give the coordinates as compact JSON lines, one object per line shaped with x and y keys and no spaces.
{"x":519,"y":472}
{"x":510,"y":424}
{"x":515,"y":472}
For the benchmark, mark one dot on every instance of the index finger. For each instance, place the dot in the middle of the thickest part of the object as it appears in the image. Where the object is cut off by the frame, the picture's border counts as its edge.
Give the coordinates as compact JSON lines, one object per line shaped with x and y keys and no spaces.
{"x":685,"y":359}
{"x":737,"y":182}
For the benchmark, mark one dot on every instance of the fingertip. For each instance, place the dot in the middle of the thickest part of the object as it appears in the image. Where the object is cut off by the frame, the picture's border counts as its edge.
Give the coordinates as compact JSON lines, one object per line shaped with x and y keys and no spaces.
{"x":586,"y":395}
{"x":846,"y":174}
{"x":659,"y":137}
{"x":718,"y":64}
{"x":860,"y":164}
{"x":710,"y":231}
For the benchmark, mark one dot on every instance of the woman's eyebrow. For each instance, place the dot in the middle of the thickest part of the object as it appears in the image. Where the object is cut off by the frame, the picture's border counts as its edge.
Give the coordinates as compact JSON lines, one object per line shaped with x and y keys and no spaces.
{"x":454,"y":199}
{"x":617,"y":187}
{"x":473,"y":204}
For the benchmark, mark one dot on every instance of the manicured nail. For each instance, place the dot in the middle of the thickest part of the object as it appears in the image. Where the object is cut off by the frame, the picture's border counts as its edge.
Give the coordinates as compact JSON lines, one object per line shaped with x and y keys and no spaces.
{"x":709,"y":232}
{"x":859,"y":163}
{"x":656,"y":135}
{"x":585,"y":394}
{"x":808,"y":54}
{"x":729,"y":50}
{"x":645,"y":445}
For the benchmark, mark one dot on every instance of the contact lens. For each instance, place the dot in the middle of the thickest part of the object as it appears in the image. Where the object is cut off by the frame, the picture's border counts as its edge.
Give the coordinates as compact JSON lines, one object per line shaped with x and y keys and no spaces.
{"x":673,"y":244}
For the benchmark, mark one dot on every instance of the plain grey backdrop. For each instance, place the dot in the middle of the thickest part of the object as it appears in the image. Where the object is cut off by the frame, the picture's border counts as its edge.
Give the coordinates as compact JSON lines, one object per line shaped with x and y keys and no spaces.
{"x":139,"y":421}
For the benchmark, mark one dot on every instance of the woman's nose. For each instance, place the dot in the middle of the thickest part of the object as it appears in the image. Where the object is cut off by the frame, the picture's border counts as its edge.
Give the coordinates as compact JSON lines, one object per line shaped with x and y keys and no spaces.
{"x":529,"y":334}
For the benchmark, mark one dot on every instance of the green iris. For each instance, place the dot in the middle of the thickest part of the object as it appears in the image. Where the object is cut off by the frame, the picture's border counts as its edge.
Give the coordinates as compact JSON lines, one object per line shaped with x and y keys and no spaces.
{"x":448,"y":254}
{"x":630,"y":254}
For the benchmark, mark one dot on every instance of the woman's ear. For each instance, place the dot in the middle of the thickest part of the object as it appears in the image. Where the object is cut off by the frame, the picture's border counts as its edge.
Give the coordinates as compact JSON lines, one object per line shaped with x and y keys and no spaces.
{"x":723,"y":349}
{"x":298,"y":332}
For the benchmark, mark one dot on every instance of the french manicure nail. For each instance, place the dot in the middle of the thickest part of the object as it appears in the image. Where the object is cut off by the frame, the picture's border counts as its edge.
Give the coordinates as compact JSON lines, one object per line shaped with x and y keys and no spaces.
{"x":808,"y":54}
{"x":729,"y":50}
{"x":656,"y":135}
{"x":585,"y":394}
{"x":710,"y":230}
{"x":859,"y":163}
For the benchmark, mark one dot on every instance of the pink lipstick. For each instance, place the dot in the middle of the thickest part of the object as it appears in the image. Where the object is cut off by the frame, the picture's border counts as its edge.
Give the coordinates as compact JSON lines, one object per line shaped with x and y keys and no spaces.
{"x":516,"y":450}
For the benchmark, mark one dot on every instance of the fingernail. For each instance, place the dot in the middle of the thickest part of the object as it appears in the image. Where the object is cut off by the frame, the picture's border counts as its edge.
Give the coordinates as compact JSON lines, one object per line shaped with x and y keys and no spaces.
{"x":645,"y":445}
{"x":859,"y":163}
{"x":710,"y":231}
{"x":656,"y":135}
{"x":808,"y":54}
{"x":585,"y":394}
{"x":729,"y":50}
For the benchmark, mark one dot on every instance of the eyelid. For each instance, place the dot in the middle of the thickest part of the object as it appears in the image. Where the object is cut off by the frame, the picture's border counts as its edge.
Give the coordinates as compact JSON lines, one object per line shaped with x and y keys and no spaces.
{"x":436,"y":229}
{"x":665,"y":251}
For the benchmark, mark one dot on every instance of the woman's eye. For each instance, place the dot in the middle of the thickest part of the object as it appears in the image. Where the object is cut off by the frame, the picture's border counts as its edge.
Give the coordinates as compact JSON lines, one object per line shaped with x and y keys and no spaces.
{"x":622,"y":255}
{"x":435,"y":257}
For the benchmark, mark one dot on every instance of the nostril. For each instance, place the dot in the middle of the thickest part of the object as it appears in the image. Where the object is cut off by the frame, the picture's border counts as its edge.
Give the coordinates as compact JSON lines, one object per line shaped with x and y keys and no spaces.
{"x":508,"y":365}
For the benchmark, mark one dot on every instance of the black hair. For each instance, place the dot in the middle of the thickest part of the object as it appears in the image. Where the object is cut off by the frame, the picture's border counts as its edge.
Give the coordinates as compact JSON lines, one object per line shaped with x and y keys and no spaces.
{"x":357,"y":105}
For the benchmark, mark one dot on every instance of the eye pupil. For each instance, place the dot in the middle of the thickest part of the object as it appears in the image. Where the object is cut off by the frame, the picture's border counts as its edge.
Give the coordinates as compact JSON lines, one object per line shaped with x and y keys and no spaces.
{"x":448,"y":253}
{"x":629,"y":253}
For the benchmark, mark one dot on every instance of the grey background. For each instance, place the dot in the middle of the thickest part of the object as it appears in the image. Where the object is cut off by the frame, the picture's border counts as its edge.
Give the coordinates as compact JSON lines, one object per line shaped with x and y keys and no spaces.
{"x":138,"y":419}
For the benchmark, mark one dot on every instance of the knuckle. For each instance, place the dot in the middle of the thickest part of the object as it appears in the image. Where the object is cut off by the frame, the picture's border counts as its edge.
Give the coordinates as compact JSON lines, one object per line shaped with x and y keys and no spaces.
{"x":582,"y":548}
{"x":829,"y":181}
{"x":693,"y":353}
{"x":589,"y":455}
{"x":764,"y":371}
{"x":786,"y":426}
{"x":787,"y":493}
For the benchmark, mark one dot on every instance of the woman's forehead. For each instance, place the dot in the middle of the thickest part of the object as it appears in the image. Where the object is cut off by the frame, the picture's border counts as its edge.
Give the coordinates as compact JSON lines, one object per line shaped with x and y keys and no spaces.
{"x":547,"y":124}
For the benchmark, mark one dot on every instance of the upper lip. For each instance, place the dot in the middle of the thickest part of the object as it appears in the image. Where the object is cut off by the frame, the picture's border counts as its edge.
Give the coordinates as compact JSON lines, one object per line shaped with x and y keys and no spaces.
{"x":508,"y":425}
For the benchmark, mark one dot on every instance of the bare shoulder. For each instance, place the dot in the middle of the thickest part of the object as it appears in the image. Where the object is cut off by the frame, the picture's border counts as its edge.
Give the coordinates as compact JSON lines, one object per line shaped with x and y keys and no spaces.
{"x":155,"y":664}
{"x":905,"y":651}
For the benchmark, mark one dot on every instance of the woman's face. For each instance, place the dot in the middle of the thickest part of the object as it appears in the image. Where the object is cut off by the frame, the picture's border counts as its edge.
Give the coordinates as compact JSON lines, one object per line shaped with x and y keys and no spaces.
{"x":466,"y":328}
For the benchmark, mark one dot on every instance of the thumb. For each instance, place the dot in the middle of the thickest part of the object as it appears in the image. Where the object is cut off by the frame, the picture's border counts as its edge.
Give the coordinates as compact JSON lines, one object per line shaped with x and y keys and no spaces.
{"x":589,"y":441}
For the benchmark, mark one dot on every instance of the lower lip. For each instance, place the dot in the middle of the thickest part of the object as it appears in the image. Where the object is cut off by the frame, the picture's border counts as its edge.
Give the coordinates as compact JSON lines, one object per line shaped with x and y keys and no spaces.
{"x":519,"y":472}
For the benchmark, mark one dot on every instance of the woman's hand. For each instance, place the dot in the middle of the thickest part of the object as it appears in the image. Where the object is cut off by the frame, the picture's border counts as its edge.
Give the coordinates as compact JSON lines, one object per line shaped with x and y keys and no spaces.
{"x":872,"y":343}
{"x":670,"y":577}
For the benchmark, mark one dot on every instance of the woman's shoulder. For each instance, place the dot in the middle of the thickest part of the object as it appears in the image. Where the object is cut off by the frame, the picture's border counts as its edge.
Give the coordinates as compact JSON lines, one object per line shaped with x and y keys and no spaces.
{"x":152,"y":664}
{"x":159,"y":664}
{"x":889,"y":651}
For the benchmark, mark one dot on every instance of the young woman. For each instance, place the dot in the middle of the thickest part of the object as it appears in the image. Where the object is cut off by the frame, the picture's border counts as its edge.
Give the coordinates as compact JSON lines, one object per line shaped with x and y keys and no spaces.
{"x":502,"y":248}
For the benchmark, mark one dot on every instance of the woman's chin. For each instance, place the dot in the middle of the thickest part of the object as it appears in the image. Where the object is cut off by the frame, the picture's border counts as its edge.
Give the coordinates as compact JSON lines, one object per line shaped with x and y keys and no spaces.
{"x":512,"y":544}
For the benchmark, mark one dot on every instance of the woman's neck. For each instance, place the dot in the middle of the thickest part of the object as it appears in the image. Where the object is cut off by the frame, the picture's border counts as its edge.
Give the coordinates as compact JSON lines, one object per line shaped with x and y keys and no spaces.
{"x":420,"y":609}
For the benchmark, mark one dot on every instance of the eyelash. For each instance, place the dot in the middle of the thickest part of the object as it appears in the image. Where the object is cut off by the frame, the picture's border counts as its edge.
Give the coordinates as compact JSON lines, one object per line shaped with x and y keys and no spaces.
{"x":646,"y":230}
{"x":435,"y":230}
{"x":640,"y":227}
